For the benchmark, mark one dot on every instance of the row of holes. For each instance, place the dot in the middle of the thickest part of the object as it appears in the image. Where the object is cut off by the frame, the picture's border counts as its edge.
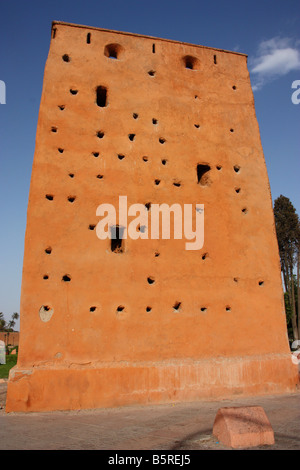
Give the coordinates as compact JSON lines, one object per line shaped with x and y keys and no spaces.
{"x":101,"y":100}
{"x":116,"y":243}
{"x":71,"y":199}
{"x":176,"y":308}
{"x":150,"y":279}
{"x":202,"y":170}
{"x":157,"y":182}
{"x":100,"y":134}
{"x":116,"y":246}
{"x":121,"y":308}
{"x":113,"y":51}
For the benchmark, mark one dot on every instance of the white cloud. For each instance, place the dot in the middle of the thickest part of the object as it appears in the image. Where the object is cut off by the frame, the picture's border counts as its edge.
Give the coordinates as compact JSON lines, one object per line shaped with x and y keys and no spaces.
{"x":275,"y":57}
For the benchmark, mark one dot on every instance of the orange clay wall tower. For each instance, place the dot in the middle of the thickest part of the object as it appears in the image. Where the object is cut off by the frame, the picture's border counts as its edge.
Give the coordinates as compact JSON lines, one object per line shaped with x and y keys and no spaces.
{"x":144,"y":321}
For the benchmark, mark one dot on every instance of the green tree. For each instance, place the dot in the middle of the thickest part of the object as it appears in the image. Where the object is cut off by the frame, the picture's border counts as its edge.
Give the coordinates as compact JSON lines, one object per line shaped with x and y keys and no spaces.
{"x":12,"y":322}
{"x":288,"y":236}
{"x":2,"y":322}
{"x":4,"y":326}
{"x":288,"y":310}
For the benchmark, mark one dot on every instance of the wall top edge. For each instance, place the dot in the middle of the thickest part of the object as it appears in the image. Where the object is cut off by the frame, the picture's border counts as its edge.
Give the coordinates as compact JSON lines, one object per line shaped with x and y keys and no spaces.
{"x":62,"y":23}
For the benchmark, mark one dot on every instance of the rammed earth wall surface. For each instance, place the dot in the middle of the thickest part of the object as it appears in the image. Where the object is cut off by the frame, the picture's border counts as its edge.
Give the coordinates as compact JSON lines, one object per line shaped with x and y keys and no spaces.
{"x":126,"y":321}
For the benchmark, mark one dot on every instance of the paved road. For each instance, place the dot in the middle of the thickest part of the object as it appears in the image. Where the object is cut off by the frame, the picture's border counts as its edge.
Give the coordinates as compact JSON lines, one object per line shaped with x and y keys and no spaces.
{"x":169,"y":427}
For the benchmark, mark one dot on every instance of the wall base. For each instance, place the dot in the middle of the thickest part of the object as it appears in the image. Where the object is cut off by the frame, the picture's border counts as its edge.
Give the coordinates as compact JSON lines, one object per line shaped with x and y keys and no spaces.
{"x":73,"y":387}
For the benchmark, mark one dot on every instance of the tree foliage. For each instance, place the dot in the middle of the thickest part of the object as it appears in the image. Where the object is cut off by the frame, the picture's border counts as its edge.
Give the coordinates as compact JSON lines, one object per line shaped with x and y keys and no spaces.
{"x":288,"y":236}
{"x":8,"y":326}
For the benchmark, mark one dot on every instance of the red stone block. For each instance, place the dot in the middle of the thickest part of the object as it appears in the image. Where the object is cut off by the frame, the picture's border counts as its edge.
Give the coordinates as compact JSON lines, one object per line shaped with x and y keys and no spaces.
{"x":243,"y":427}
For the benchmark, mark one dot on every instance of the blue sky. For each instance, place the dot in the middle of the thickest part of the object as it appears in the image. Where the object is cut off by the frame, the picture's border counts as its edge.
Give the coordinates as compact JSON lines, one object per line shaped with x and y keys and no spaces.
{"x":266,"y":30}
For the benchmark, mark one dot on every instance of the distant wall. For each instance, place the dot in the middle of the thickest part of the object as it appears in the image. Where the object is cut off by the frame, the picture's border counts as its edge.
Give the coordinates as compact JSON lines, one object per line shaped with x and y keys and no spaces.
{"x":13,"y":337}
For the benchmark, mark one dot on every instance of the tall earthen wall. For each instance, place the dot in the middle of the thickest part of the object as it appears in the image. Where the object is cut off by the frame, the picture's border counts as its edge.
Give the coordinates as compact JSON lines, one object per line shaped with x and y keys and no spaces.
{"x":128,"y":115}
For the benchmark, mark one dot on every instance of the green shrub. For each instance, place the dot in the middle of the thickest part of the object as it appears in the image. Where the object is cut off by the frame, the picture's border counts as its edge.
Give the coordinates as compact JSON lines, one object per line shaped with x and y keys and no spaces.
{"x":11,"y":361}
